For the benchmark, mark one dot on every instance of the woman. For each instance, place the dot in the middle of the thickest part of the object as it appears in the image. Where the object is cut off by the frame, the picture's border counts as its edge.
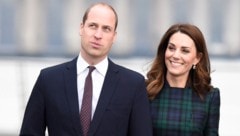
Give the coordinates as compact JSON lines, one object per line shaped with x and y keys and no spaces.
{"x":183,"y":101}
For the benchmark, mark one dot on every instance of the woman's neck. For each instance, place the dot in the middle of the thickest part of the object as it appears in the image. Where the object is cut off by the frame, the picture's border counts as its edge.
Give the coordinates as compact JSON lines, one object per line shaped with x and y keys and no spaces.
{"x":175,"y":81}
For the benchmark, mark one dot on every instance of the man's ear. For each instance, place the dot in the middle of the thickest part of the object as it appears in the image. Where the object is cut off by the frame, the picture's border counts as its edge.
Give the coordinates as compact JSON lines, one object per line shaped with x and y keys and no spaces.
{"x":81,"y":29}
{"x":115,"y":36}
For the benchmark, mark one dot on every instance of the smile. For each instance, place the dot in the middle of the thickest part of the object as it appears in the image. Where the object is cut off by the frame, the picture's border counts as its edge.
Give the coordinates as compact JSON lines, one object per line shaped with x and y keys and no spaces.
{"x":175,"y":63}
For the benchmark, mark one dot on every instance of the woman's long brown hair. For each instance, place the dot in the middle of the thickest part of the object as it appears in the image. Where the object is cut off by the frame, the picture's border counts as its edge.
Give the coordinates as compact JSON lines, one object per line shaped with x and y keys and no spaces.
{"x":199,"y":79}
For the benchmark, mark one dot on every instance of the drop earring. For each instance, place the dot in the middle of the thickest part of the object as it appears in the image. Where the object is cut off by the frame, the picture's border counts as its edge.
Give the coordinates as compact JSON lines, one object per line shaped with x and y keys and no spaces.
{"x":194,"y":66}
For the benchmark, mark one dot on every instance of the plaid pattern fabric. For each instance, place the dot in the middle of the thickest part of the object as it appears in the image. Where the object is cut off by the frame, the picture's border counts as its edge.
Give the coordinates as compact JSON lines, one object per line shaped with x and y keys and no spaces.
{"x":181,"y":112}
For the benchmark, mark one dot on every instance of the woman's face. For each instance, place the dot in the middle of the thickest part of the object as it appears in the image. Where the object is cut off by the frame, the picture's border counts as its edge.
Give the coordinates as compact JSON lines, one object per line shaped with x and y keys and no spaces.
{"x":180,"y":55}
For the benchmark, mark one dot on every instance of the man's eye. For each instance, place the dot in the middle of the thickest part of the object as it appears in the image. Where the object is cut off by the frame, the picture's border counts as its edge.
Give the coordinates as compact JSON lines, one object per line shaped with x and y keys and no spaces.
{"x":92,"y":26}
{"x":107,"y":29}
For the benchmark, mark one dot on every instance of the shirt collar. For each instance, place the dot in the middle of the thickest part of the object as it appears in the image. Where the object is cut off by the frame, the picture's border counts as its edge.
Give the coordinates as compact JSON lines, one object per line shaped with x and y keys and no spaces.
{"x":101,"y":67}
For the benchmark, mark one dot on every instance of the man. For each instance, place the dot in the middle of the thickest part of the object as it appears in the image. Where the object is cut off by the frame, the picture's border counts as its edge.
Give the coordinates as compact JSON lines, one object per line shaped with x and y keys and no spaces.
{"x":119,"y":105}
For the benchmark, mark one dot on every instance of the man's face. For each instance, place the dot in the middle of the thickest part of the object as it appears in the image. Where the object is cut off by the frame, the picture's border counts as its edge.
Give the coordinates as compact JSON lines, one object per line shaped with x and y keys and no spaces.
{"x":97,"y":33}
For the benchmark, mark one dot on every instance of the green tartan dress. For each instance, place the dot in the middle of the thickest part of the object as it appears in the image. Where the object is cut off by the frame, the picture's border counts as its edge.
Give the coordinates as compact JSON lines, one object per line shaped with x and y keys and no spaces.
{"x":181,"y":112}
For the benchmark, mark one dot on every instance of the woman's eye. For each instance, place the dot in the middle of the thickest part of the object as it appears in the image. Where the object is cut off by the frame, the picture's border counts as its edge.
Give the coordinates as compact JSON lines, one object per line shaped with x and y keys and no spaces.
{"x":185,"y":51}
{"x":171,"y":48}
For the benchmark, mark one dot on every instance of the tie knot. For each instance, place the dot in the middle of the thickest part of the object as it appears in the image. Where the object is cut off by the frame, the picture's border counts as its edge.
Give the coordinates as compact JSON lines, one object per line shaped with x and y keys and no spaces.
{"x":91,"y":68}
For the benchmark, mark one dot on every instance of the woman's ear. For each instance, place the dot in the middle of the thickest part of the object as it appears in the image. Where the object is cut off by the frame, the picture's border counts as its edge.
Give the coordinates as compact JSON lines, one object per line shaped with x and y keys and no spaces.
{"x":198,"y":58}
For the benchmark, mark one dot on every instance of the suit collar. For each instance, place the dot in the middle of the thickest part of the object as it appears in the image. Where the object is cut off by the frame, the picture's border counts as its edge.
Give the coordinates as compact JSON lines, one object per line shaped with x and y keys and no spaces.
{"x":109,"y":86}
{"x":70,"y":76}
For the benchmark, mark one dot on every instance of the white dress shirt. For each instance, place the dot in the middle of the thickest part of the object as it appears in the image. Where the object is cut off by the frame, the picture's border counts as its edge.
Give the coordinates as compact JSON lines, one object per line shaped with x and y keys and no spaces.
{"x":98,"y":76}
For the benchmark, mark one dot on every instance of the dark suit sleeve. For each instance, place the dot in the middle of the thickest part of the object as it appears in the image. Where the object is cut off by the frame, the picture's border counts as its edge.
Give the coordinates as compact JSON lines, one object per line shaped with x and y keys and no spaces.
{"x":34,"y":119}
{"x":214,"y":114}
{"x":140,"y":122}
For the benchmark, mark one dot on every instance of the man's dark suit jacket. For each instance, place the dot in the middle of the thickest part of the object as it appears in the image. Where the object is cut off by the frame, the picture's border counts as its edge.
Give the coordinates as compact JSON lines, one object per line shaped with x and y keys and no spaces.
{"x":122,"y":109}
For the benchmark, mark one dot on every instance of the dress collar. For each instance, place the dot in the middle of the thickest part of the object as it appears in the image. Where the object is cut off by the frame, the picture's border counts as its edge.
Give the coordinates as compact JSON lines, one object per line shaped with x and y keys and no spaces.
{"x":101,"y":67}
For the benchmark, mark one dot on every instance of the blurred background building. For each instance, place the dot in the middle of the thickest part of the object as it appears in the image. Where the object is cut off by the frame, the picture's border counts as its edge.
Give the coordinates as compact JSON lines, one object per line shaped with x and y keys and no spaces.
{"x":51,"y":27}
{"x":38,"y":33}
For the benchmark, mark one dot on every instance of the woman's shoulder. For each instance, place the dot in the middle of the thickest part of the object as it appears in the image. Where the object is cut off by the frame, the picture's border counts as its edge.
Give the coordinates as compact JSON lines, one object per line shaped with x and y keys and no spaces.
{"x":214,"y":90}
{"x":214,"y":94}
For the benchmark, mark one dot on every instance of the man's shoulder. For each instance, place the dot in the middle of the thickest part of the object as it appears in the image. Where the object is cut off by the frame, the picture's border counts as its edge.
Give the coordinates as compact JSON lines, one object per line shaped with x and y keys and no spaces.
{"x":60,"y":66}
{"x":127,"y":71}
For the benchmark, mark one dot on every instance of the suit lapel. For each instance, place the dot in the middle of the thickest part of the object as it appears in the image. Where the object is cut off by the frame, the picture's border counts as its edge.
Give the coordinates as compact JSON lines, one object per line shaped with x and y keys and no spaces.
{"x":70,"y":75}
{"x":109,"y":85}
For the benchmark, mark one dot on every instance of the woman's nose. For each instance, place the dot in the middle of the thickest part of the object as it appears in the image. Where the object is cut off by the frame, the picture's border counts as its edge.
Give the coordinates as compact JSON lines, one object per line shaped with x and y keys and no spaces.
{"x":176,"y":54}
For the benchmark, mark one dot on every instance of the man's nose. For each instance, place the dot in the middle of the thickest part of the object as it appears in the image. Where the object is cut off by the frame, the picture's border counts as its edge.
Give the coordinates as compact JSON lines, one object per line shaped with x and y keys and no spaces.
{"x":98,"y":34}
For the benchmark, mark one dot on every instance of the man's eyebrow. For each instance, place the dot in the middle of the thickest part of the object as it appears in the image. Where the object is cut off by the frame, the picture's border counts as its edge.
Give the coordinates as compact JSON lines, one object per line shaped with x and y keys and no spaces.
{"x":107,"y":26}
{"x":93,"y":23}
